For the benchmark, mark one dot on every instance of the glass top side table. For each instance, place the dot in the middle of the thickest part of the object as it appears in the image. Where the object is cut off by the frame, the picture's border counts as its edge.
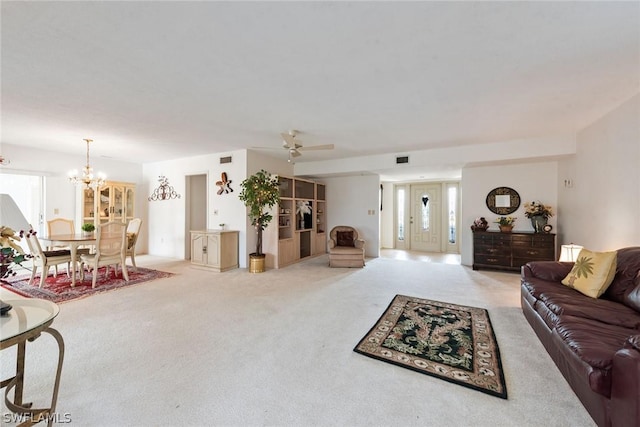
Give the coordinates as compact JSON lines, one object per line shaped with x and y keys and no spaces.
{"x":25,"y":322}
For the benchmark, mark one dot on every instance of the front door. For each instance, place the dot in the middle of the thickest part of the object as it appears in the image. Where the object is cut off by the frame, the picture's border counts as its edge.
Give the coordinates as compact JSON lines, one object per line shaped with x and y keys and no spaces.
{"x":425,"y":217}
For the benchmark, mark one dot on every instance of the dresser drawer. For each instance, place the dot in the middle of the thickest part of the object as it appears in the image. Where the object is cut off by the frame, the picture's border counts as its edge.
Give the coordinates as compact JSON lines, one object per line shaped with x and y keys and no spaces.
{"x":533,"y":253}
{"x":492,"y":250}
{"x":497,"y":260}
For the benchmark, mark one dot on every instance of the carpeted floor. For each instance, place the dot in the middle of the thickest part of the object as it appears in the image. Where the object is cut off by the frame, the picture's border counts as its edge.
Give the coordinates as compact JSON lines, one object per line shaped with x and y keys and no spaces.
{"x":241,"y":349}
{"x":452,"y":342}
{"x":58,"y":289}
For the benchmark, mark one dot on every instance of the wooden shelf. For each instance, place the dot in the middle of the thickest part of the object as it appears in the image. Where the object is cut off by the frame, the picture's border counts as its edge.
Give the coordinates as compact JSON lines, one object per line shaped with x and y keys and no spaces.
{"x":298,"y":240}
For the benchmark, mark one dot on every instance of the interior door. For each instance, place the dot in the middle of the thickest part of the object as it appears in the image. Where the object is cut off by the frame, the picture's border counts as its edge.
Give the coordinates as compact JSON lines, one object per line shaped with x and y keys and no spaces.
{"x":425,"y":220}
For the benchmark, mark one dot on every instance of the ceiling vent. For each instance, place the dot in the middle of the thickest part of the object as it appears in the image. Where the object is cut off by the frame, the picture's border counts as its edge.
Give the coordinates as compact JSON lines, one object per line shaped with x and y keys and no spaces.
{"x":224,"y":160}
{"x":402,"y":159}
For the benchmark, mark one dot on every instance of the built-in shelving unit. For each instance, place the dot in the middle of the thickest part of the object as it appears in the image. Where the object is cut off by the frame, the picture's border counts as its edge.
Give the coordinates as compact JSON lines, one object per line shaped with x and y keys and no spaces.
{"x":301,"y":220}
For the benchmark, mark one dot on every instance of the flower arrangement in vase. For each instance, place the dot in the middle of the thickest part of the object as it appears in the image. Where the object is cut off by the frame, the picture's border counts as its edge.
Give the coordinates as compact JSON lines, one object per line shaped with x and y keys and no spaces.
{"x":506,"y":223}
{"x":480,"y":224}
{"x":539,"y":214}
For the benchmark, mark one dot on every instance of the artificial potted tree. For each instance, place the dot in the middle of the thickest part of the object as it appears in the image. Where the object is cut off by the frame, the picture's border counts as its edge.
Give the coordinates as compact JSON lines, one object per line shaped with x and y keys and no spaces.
{"x":260,"y":192}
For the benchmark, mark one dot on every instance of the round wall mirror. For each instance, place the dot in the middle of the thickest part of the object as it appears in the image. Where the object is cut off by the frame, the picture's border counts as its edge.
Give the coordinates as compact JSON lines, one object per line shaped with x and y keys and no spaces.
{"x":503,"y":200}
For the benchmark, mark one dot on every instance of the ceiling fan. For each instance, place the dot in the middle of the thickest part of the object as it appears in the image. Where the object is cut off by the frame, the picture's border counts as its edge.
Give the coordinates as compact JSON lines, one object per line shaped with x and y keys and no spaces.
{"x":294,"y":146}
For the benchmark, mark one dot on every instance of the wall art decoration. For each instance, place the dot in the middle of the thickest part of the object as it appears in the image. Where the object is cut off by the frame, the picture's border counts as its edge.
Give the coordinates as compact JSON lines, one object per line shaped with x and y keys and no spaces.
{"x":164,"y":191}
{"x":224,"y":184}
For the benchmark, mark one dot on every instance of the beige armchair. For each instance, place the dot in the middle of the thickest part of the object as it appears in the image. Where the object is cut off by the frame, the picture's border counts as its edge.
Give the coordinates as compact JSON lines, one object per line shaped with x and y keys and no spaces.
{"x":345,"y":249}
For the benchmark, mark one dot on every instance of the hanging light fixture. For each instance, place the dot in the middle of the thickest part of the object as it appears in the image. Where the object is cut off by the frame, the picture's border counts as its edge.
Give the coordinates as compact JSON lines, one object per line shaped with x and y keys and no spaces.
{"x":87,"y":179}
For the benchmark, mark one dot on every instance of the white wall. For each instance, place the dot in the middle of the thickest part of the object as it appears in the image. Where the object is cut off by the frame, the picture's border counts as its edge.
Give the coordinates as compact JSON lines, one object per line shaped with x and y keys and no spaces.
{"x":532,"y":181}
{"x":166,"y":218}
{"x":350,"y":200}
{"x":601,"y":209}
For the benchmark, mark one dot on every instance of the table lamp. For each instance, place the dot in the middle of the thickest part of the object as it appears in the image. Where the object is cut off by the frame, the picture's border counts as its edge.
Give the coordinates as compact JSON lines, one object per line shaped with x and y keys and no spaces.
{"x":569,"y":253}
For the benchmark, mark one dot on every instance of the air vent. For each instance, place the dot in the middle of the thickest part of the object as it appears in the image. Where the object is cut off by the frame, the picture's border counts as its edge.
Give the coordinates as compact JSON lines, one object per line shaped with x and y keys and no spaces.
{"x":402,"y":159}
{"x":224,"y":160}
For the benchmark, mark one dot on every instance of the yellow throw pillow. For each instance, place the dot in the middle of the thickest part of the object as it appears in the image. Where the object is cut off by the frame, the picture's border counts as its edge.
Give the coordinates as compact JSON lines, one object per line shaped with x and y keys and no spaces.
{"x":592,"y":273}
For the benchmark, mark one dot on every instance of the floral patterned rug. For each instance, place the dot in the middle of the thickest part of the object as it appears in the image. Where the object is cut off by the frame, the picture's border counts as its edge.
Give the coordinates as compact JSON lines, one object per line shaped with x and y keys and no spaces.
{"x":58,"y":289}
{"x":452,"y":342}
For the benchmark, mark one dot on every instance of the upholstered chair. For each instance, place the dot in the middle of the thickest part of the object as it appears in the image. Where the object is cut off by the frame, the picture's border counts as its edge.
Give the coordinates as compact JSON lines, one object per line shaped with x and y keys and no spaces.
{"x":111,"y":249}
{"x":45,"y":259}
{"x":133,"y":230}
{"x":345,"y":249}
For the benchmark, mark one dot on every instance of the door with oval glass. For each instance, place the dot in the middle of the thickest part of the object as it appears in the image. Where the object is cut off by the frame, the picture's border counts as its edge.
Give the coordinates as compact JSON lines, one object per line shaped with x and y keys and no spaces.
{"x":425,"y":222}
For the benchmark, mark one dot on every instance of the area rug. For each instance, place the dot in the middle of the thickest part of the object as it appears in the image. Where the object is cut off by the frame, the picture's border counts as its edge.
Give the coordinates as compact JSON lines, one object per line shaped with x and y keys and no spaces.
{"x":452,"y":342}
{"x":58,"y":289}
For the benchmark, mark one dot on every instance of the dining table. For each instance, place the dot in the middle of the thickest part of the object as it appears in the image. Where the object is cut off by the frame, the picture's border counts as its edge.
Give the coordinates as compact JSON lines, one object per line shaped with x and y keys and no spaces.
{"x":73,"y":241}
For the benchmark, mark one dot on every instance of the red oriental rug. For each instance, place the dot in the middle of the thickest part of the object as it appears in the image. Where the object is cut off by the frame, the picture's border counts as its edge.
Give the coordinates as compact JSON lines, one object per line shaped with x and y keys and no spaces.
{"x":58,"y":289}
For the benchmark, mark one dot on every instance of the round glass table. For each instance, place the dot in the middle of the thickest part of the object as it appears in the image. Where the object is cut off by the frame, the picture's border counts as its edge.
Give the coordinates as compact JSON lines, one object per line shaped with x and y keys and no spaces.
{"x":26,"y":320}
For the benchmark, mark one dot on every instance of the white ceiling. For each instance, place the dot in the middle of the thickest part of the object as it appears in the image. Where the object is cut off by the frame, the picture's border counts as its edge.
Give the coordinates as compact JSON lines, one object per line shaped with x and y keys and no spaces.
{"x":150,"y":81}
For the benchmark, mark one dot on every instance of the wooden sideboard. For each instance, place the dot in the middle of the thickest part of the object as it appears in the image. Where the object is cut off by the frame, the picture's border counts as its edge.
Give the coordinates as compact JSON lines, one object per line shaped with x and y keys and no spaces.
{"x":214,"y":249}
{"x":510,"y":251}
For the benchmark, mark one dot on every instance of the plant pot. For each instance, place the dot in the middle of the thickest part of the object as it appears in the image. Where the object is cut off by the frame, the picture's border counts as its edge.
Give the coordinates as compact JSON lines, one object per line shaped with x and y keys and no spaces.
{"x":506,"y":228}
{"x":538,"y":222}
{"x":256,"y":263}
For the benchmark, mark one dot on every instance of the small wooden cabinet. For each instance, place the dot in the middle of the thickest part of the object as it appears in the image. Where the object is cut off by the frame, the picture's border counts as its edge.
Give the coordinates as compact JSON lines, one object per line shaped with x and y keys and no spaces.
{"x":214,"y":249}
{"x":510,"y":251}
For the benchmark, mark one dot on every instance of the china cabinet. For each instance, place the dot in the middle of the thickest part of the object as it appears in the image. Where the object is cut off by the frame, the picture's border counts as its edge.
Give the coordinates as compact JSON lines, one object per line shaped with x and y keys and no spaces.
{"x":114,"y":201}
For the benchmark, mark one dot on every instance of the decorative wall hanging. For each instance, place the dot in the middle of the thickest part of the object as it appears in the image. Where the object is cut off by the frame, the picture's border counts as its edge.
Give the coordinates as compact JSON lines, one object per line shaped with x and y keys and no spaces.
{"x":503,"y":201}
{"x":164,"y":191}
{"x":224,"y":184}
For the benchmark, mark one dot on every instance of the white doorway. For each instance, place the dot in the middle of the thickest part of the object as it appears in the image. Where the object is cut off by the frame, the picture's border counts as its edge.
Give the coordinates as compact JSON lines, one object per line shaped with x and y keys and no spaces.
{"x":426,"y":217}
{"x":196,"y":206}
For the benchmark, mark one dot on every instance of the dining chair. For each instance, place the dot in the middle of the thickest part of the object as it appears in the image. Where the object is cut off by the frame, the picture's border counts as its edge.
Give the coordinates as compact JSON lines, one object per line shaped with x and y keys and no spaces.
{"x":59,"y":226}
{"x":133,"y":230}
{"x":45,"y":259}
{"x":111,"y":249}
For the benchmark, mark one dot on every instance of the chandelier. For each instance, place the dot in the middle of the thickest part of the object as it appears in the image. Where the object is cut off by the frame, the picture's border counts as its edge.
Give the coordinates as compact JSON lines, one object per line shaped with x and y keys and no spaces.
{"x":87,"y":179}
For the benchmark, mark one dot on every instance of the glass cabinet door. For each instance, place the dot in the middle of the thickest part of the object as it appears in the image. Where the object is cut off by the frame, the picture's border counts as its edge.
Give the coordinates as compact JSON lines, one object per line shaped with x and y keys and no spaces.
{"x":129,"y":199}
{"x":88,"y":205}
{"x":117,"y":210}
{"x":104,"y":204}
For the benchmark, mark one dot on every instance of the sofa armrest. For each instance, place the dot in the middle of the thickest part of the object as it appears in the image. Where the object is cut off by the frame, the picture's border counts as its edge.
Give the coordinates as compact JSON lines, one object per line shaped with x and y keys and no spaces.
{"x":332,"y":243}
{"x":359,"y":243}
{"x":552,"y":271}
{"x":625,"y":384}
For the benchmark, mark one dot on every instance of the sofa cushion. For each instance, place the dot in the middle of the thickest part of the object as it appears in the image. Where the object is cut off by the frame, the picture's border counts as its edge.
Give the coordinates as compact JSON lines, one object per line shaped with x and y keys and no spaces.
{"x":625,"y":287}
{"x":590,"y":346}
{"x":592,"y":272}
{"x":344,"y":238}
{"x":601,"y":310}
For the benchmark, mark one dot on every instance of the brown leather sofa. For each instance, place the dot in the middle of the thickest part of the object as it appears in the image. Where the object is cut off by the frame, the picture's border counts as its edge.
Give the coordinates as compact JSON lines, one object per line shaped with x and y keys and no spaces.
{"x":595,"y":343}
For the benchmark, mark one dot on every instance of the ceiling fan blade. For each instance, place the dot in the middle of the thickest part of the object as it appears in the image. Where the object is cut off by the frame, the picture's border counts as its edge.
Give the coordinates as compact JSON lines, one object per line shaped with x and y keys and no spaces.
{"x":290,"y":140}
{"x":294,"y":153}
{"x":266,"y":148}
{"x":317,"y":147}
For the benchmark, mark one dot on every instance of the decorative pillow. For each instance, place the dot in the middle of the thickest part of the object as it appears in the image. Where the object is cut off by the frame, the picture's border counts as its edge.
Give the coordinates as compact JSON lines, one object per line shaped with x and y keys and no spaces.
{"x":592,"y":272}
{"x":344,"y":238}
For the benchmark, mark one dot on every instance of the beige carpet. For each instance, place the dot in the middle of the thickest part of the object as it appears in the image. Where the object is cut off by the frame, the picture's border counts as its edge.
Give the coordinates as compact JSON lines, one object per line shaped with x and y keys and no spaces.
{"x":233,"y":348}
